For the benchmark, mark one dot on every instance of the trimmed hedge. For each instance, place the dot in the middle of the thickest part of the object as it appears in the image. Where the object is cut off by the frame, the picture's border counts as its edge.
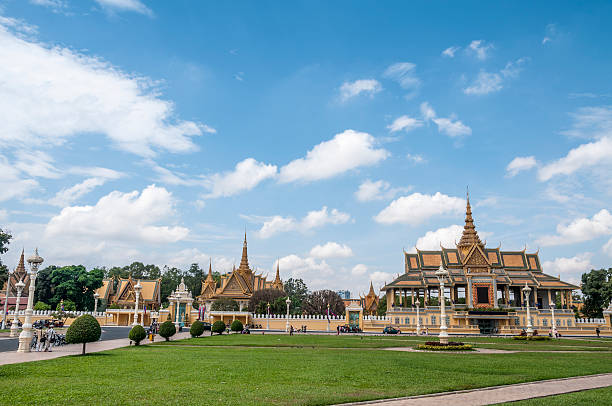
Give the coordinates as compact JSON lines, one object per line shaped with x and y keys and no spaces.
{"x":196,"y":329}
{"x":532,"y":338}
{"x":137,"y":334}
{"x":167,"y":329}
{"x":236,"y":326}
{"x":84,"y":329}
{"x":218,"y":327}
{"x":462,"y":347}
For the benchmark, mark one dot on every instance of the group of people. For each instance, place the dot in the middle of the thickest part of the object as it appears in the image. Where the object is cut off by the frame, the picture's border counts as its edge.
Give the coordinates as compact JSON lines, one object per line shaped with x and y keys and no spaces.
{"x":44,"y":340}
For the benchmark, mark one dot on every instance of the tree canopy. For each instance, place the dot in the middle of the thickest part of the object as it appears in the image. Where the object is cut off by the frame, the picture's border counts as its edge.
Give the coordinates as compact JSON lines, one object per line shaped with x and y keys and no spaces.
{"x":297,"y":291}
{"x":225,"y":304}
{"x":597,"y":291}
{"x":258,"y":303}
{"x":5,"y":240}
{"x":316,"y":303}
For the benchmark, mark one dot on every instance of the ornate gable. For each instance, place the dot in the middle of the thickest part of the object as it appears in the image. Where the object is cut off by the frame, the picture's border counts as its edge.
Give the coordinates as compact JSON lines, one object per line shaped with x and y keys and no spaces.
{"x":127,"y":293}
{"x":476,"y":258}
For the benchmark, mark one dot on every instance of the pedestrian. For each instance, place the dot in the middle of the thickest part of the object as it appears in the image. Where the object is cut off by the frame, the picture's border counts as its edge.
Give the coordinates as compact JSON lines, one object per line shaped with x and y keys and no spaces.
{"x":50,"y":338}
{"x":41,"y":342}
{"x":338,"y":330}
{"x":291,"y":330}
{"x":598,"y":331}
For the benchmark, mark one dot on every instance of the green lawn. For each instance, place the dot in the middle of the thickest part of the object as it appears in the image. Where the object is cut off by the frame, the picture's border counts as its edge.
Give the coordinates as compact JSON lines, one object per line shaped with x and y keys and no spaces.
{"x":355,"y":341}
{"x":171,"y":374}
{"x":593,"y":397}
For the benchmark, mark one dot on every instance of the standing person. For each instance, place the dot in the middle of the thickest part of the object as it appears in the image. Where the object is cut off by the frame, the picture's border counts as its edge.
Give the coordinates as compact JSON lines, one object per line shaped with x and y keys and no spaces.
{"x":598,"y":331}
{"x":50,"y":338}
{"x":291,"y":331}
{"x":338,"y":330}
{"x":41,"y":341}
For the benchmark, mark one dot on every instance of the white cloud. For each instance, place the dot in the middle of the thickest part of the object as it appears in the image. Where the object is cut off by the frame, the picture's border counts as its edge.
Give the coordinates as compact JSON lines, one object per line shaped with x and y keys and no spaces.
{"x":403,"y":73}
{"x":3,"y":215}
{"x":571,"y":268}
{"x":314,"y":219}
{"x":607,"y":248}
{"x":584,"y":156}
{"x":581,"y":229}
{"x":485,"y":83}
{"x":448,"y":126}
{"x":125,"y":5}
{"x":489,"y":82}
{"x":380,"y":278}
{"x":417,"y":208}
{"x":52,"y":93}
{"x":348,"y":90}
{"x":415,"y":158}
{"x":480,"y":48}
{"x":12,"y":184}
{"x":331,"y":250}
{"x":247,"y":174}
{"x":69,"y":195}
{"x":405,"y":123}
{"x":447,"y":236}
{"x":37,"y":164}
{"x":120,"y":216}
{"x":450,"y":52}
{"x":54,"y":5}
{"x":359,"y":269}
{"x":184,"y":258}
{"x":378,"y":190}
{"x":591,"y":122}
{"x":300,"y":267}
{"x":346,"y":151}
{"x":520,"y":164}
{"x":550,"y":34}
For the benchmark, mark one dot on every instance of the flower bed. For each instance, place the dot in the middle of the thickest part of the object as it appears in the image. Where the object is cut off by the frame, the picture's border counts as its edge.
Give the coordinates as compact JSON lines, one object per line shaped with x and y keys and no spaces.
{"x":532,"y":338}
{"x":451,"y":346}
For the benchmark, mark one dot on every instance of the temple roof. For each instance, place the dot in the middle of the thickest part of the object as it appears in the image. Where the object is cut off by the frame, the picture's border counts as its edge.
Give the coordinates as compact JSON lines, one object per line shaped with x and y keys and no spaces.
{"x":469,"y":236}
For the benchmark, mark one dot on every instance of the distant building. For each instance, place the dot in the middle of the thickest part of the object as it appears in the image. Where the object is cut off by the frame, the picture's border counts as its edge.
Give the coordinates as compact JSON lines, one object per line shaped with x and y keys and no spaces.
{"x":344,"y":294}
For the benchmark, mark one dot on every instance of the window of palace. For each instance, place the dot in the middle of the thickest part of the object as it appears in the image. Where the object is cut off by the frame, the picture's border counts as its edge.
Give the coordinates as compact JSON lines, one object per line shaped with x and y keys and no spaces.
{"x":433,"y":320}
{"x":407,"y":320}
{"x":512,"y":299}
{"x":482,"y":294}
{"x":544,"y":322}
{"x":397,"y":320}
{"x":461,"y":294}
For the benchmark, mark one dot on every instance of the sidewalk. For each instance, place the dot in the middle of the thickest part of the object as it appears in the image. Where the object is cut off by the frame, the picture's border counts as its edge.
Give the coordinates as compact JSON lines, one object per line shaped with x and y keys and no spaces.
{"x":14,"y":357}
{"x":500,"y":394}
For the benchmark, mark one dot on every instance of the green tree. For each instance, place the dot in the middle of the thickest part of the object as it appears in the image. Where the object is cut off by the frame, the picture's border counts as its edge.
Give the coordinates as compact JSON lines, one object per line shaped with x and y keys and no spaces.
{"x":217,"y":327}
{"x":258,"y":303}
{"x":316,"y":302}
{"x":43,"y":291}
{"x":381,"y":310}
{"x":225,"y":304}
{"x":41,"y":306}
{"x":138,"y":270}
{"x":84,"y":329}
{"x":236,"y":326}
{"x":167,"y":329}
{"x":69,"y":306}
{"x":193,"y":279}
{"x":196,"y":329}
{"x":297,"y":291}
{"x":171,"y":277}
{"x":5,"y":240}
{"x":77,"y":284}
{"x":597,"y":291}
{"x":137,"y":334}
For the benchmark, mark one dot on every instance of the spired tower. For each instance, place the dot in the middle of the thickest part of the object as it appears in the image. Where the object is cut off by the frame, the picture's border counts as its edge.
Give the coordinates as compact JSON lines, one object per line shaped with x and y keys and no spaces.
{"x":244,"y":270}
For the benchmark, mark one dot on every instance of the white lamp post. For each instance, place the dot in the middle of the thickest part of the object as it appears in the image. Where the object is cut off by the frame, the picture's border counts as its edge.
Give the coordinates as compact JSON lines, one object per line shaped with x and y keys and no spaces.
{"x":6,"y":296}
{"x":418,"y":327}
{"x":96,"y":296}
{"x":268,"y":321}
{"x":328,"y":321}
{"x":288,"y":301}
{"x":15,"y":326}
{"x":527,"y":290}
{"x":442,"y":274}
{"x":137,"y":289}
{"x":554,"y":324}
{"x":26,"y":333}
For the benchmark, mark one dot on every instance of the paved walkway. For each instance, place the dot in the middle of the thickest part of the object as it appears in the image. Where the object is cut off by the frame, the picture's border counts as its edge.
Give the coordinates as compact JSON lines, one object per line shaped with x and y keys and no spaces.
{"x":13,"y":357}
{"x":500,"y":394}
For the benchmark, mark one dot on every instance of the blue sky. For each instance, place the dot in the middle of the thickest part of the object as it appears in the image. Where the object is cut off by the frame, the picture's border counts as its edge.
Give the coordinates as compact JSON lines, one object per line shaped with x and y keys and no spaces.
{"x":336,"y":133}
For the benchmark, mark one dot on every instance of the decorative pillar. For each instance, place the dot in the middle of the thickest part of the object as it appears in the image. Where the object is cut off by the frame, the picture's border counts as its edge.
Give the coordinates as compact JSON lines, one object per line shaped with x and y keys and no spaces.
{"x":137,"y":289}
{"x":328,"y":321}
{"x":268,"y":321}
{"x":26,"y":333}
{"x":442,"y":274}
{"x":178,"y":307}
{"x":288,"y":301}
{"x":418,"y":323}
{"x":549,"y":299}
{"x":96,"y":296}
{"x":527,"y":290}
{"x":469,"y":293}
{"x":554,"y":324}
{"x":495,"y":304}
{"x":15,"y":325}
{"x":6,"y":296}
{"x":412,"y":296}
{"x":507,"y":295}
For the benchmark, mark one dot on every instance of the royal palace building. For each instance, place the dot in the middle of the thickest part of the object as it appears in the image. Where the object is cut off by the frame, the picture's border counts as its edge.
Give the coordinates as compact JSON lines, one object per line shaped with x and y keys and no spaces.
{"x":485,"y":288}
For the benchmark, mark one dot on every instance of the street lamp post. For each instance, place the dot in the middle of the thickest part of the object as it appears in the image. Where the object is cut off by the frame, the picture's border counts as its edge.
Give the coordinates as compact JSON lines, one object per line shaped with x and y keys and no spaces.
{"x":442,"y":274}
{"x":96,"y":296}
{"x":526,"y":291}
{"x":288,"y":301}
{"x":15,"y":326}
{"x":418,"y":327}
{"x":554,"y":324}
{"x":268,"y":321}
{"x":328,"y":321}
{"x":137,"y":289}
{"x":25,"y":337}
{"x":6,"y":296}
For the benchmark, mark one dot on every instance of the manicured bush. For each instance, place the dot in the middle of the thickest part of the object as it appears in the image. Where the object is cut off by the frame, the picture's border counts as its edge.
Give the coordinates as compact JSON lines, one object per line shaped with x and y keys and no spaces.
{"x":167,"y":329}
{"x":236,"y":326}
{"x":532,"y":338}
{"x":41,"y":306}
{"x":137,"y":334}
{"x":441,"y":347}
{"x":84,"y":329}
{"x":218,"y":327}
{"x":196,"y":329}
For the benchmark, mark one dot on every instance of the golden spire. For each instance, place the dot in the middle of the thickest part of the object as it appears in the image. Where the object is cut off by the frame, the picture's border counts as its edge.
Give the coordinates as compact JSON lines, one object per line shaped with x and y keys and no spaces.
{"x":277,"y":279}
{"x":21,"y":266}
{"x":469,"y":236}
{"x":209,"y":277}
{"x":371,"y":292}
{"x":244,"y":261}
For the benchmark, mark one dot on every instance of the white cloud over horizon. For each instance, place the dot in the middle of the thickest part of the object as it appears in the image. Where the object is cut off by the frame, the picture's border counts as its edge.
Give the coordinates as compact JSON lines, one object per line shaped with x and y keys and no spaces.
{"x":377,"y":190}
{"x":520,"y":164}
{"x":348,"y":90}
{"x":418,"y":208}
{"x":125,"y":5}
{"x":404,"y":123}
{"x":331,"y":250}
{"x":246,"y":175}
{"x":313,"y":219}
{"x":449,"y":126}
{"x":580,"y":229}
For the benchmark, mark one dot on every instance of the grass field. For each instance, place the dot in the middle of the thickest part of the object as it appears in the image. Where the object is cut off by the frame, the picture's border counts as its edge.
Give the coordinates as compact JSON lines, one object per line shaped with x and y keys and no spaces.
{"x":593,"y":397}
{"x":201,"y":374}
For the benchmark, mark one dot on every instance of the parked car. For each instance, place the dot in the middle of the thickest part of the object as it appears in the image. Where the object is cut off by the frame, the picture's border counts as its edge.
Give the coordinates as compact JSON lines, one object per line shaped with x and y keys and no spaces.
{"x":391,"y":330}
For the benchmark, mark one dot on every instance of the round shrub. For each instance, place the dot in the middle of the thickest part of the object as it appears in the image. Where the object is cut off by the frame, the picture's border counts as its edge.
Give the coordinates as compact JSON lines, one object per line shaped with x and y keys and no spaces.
{"x":41,"y":306}
{"x":196,"y":329}
{"x":236,"y":326}
{"x":84,"y":329}
{"x":167,"y":330}
{"x":218,"y":327}
{"x":137,"y":334}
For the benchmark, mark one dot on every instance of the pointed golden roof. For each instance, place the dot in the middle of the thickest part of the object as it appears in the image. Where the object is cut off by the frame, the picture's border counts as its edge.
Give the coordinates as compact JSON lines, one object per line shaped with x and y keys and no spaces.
{"x":469,"y":236}
{"x":21,"y":266}
{"x":277,"y":279}
{"x":244,"y":261}
{"x":371,"y":292}
{"x":209,"y":277}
